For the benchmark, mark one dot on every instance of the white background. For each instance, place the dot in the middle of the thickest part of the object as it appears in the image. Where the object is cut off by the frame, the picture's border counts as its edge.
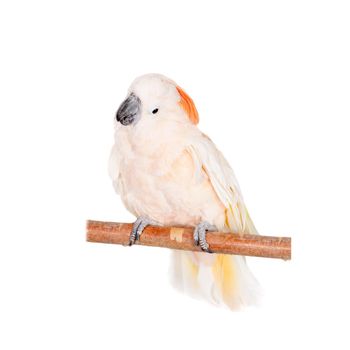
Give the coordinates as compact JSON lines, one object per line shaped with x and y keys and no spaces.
{"x":271,"y":81}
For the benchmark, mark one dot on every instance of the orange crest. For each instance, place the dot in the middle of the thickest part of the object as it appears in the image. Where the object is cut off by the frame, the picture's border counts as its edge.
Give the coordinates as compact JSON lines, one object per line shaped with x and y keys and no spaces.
{"x":188,"y":106}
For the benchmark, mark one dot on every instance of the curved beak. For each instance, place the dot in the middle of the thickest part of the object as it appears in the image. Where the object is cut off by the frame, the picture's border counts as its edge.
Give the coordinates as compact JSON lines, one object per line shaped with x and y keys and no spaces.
{"x":129,"y":110}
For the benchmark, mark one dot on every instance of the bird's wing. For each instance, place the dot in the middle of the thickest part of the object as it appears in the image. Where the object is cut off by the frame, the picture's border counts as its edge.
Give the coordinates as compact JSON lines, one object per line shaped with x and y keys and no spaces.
{"x":207,"y":158}
{"x":114,"y":167}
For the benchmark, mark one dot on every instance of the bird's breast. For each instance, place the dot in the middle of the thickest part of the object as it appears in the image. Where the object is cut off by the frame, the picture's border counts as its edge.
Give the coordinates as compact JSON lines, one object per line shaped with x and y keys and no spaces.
{"x":164,"y":184}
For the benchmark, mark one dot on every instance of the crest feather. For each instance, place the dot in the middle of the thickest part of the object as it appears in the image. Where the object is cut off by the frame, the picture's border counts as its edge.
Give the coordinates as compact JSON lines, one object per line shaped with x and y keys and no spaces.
{"x":188,"y":106}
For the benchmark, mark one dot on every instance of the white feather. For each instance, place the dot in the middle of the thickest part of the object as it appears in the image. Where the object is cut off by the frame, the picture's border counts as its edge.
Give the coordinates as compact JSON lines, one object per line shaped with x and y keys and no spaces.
{"x":164,"y":168}
{"x":210,"y":160}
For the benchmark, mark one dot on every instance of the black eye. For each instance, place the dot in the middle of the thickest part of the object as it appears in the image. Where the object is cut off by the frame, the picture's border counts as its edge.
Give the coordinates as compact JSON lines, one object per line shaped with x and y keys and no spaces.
{"x":155,"y":111}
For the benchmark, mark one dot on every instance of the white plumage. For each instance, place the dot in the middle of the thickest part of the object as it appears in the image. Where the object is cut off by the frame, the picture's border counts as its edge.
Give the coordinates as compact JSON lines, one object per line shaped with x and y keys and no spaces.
{"x":166,"y":169}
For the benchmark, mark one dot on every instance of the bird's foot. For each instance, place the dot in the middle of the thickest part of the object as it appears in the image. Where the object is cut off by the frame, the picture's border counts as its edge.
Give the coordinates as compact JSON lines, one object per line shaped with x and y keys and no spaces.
{"x":139,"y":225}
{"x":199,"y":234}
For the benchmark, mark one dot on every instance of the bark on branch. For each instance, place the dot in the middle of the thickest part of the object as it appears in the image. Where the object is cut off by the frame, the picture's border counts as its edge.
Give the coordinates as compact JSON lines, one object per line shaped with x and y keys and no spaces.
{"x":182,"y":238}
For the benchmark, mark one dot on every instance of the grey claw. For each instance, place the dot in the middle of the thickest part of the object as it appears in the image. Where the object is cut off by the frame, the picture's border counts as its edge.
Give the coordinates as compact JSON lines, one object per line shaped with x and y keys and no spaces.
{"x":196,"y":236}
{"x":199,"y":234}
{"x":138,"y":227}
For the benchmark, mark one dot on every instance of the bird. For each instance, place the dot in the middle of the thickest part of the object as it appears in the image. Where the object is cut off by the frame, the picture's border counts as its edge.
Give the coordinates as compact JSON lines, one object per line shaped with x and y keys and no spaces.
{"x":169,"y":173}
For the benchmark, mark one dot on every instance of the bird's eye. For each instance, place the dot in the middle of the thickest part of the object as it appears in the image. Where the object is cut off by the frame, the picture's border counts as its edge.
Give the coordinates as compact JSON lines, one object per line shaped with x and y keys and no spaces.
{"x":155,"y":111}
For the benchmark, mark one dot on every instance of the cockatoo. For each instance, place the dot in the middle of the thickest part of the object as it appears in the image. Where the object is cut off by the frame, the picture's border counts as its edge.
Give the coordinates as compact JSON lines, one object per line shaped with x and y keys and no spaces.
{"x":169,"y":173}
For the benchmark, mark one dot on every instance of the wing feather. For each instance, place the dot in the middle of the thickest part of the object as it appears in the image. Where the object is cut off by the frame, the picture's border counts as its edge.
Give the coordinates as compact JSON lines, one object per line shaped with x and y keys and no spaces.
{"x":207,"y":158}
{"x":114,"y":168}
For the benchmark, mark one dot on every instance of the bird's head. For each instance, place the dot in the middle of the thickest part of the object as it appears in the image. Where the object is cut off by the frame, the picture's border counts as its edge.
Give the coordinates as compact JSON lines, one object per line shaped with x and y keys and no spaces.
{"x":152,"y":98}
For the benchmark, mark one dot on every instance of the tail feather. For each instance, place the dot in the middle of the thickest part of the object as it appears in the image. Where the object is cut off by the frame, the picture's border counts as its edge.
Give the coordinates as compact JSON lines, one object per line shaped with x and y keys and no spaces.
{"x":219,"y":278}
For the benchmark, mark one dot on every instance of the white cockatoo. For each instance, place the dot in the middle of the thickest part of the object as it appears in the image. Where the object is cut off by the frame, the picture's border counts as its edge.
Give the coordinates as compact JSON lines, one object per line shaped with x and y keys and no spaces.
{"x":169,"y":173}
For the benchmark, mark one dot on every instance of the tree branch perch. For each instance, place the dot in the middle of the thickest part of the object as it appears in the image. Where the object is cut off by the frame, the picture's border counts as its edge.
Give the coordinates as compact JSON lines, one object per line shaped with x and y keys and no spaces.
{"x":182,"y":238}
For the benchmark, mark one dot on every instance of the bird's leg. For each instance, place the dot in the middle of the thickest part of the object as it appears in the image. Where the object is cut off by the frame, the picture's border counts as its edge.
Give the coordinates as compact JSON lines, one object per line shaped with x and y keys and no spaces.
{"x":139,"y":225}
{"x":199,"y":234}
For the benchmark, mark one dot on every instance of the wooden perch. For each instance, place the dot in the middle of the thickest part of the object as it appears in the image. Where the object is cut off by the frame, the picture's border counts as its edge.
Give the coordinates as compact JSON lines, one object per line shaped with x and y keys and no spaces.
{"x":182,"y":238}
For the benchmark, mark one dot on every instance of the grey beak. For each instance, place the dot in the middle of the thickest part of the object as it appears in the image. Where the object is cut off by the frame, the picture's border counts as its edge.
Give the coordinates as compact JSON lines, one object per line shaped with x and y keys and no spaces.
{"x":129,"y":110}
